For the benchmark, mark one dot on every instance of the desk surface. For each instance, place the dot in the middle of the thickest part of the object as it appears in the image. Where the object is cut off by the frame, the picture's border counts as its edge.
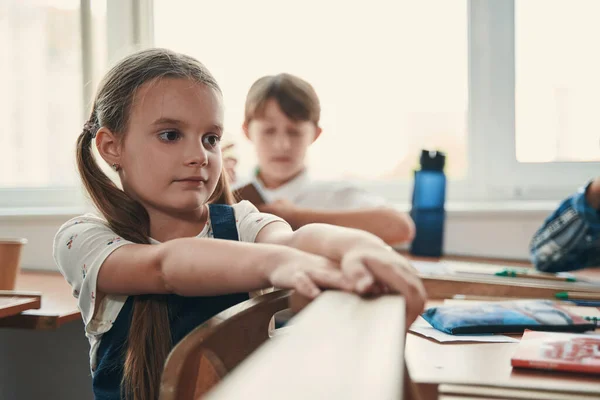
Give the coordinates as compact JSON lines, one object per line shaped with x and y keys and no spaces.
{"x":483,"y":364}
{"x":487,"y":363}
{"x":13,"y":305}
{"x":58,"y":304}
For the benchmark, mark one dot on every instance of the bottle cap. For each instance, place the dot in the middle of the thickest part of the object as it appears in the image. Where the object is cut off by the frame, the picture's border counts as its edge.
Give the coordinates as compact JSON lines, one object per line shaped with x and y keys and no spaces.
{"x":432,"y":160}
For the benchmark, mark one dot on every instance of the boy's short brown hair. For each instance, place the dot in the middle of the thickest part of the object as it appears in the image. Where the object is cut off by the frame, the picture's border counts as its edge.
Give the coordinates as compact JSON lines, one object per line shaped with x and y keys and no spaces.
{"x":296,"y":98}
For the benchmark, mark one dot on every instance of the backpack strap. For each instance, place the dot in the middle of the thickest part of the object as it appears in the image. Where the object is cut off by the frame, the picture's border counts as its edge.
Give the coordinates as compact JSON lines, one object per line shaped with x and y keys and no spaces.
{"x":222,"y":219}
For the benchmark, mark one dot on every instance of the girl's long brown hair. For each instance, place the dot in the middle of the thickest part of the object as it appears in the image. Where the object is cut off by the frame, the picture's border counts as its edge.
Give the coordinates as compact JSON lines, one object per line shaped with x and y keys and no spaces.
{"x":149,"y":340}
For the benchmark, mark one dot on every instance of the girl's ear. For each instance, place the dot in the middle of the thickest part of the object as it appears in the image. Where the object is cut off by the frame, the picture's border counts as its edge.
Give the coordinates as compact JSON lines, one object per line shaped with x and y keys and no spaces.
{"x":108,"y":146}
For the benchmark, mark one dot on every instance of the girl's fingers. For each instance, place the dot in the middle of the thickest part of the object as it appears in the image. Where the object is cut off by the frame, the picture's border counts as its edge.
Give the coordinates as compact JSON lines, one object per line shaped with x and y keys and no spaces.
{"x":330,"y":278}
{"x":402,"y":281}
{"x":305,"y":286}
{"x":358,"y":274}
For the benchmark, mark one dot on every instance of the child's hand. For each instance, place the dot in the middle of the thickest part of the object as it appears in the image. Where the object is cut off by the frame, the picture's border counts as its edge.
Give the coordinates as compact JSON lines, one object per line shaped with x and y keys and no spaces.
{"x":307,"y":273}
{"x":229,"y":162}
{"x":375,"y":269}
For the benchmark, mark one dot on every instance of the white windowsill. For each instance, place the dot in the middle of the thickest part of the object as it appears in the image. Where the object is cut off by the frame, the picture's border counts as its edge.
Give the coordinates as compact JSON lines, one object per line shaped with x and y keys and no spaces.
{"x":452,"y":208}
{"x":481,"y":229}
{"x":40,"y":212}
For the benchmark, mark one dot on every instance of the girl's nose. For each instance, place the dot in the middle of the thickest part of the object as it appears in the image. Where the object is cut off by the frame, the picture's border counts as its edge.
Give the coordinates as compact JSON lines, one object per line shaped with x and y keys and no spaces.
{"x":196,"y":154}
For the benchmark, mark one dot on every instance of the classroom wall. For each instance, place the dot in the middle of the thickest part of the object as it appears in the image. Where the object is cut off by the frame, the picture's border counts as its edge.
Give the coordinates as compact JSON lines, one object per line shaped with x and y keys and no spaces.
{"x":486,"y":231}
{"x":50,"y":365}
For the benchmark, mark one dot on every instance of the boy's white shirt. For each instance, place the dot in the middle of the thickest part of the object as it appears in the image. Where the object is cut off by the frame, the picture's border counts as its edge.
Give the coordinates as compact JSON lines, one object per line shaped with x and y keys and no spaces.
{"x":83,"y":243}
{"x":305,"y":192}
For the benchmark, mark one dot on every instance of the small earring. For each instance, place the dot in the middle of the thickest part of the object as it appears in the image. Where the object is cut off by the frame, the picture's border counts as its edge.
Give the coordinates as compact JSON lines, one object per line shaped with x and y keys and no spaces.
{"x":116,"y":167}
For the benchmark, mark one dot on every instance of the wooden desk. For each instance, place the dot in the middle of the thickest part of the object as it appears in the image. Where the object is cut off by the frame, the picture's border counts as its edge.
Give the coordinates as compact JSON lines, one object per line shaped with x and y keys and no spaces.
{"x":483,"y":364}
{"x":328,"y":355}
{"x":430,"y":362}
{"x":58,"y":304}
{"x":13,"y":303}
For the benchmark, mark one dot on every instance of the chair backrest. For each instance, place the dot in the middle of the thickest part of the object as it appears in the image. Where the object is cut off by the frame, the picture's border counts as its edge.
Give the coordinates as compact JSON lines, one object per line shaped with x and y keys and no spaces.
{"x":205,"y":355}
{"x":340,"y":346}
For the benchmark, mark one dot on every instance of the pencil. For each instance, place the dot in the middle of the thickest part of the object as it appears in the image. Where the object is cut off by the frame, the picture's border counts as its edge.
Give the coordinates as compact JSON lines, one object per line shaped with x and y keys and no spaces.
{"x":493,"y":298}
{"x":551,"y":277}
{"x":482,"y":298}
{"x":577,"y":296}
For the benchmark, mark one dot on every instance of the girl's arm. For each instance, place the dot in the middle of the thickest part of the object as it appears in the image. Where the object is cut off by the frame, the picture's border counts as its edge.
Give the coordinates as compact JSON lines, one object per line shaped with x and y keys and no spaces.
{"x":392,"y":226}
{"x":206,"y":267}
{"x":364,"y":258}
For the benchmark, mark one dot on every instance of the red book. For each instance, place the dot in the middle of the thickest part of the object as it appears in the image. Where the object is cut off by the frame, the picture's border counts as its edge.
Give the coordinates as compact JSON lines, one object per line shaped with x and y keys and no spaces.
{"x":558,"y":351}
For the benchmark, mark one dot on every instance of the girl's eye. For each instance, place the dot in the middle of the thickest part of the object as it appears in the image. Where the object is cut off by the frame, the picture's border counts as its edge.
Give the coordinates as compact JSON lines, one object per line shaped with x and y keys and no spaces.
{"x":169,"y":136}
{"x":211,"y":141}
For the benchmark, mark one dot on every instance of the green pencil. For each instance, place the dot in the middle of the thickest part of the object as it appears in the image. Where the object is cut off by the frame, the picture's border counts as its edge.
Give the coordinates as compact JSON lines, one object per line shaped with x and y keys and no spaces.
{"x":577,"y":296}
{"x":519,"y":274}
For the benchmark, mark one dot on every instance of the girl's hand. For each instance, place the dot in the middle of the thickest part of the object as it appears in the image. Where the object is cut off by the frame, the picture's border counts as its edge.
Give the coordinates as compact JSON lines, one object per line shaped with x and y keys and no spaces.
{"x":307,"y":273}
{"x":377,"y":269}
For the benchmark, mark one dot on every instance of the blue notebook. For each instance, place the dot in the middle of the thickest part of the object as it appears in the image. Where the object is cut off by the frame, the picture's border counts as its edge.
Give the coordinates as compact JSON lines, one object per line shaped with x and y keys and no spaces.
{"x":505,"y":317}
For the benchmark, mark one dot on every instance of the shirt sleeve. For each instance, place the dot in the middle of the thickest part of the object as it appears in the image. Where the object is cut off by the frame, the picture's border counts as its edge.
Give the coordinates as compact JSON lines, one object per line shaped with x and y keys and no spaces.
{"x":569,"y":238}
{"x":80,"y":247}
{"x":250,"y":221}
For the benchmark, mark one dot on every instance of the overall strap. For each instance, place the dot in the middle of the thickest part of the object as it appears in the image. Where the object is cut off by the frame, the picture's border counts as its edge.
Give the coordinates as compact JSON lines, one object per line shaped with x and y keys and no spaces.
{"x":222,"y":219}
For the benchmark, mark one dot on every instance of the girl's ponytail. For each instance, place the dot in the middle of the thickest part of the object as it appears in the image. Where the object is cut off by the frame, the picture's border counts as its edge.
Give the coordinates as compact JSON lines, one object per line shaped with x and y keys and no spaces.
{"x":149,"y":340}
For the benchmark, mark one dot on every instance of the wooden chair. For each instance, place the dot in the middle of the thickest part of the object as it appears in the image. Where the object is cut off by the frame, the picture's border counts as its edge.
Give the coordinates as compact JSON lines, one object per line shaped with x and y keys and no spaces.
{"x":209,"y":352}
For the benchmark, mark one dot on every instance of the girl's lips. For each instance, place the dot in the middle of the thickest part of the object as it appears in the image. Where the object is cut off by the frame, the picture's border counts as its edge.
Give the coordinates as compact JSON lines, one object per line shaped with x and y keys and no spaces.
{"x":194,"y":183}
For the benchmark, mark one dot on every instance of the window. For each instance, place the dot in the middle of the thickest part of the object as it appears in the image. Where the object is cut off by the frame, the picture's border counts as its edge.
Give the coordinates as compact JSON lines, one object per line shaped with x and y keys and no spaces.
{"x":557,"y":80}
{"x":536,"y":96}
{"x":508,"y":89}
{"x":53,"y":53}
{"x":41,"y":103}
{"x":391,"y":75}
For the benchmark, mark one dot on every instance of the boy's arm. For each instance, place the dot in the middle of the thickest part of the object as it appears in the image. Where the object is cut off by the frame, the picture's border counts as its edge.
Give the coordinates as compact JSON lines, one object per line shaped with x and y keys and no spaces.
{"x":392,"y":226}
{"x":568,"y":239}
{"x":325,"y":240}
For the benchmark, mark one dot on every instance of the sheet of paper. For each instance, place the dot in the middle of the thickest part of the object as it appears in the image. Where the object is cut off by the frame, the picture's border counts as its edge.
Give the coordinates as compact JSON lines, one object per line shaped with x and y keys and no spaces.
{"x":431,"y":268}
{"x":473,"y":268}
{"x":423,"y":328}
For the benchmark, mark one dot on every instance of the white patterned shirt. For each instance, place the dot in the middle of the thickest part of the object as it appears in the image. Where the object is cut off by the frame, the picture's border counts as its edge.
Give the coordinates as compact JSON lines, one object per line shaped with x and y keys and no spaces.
{"x":83,"y":243}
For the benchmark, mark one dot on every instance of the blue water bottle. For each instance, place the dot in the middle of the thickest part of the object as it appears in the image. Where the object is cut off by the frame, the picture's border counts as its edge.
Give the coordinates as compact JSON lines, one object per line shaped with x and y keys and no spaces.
{"x":428,"y":213}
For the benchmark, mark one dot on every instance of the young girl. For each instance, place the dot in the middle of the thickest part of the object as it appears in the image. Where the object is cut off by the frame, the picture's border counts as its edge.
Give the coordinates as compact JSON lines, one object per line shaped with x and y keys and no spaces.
{"x":170,"y":252}
{"x":282,"y":120}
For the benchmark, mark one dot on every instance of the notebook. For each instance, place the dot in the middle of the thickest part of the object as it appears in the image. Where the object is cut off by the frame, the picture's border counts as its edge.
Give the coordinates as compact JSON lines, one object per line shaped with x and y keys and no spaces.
{"x":249,"y":192}
{"x":558,"y":351}
{"x":505,"y":317}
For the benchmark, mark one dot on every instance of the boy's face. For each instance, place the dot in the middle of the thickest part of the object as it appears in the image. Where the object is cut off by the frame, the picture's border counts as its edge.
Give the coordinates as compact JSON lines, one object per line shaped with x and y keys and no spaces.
{"x":280,"y":143}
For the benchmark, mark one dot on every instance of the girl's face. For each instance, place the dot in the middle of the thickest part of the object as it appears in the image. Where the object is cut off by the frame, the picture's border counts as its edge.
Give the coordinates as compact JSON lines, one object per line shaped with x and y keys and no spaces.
{"x":280,"y":143}
{"x":170,"y":157}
